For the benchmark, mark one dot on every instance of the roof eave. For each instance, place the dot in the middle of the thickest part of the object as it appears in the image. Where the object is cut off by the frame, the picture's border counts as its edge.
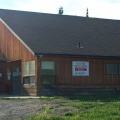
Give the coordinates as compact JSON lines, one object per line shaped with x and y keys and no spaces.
{"x":78,"y":56}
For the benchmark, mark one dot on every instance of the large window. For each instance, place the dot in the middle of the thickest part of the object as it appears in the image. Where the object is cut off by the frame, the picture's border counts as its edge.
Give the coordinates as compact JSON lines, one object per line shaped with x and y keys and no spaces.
{"x":113,"y":68}
{"x":29,"y":73}
{"x":48,"y":72}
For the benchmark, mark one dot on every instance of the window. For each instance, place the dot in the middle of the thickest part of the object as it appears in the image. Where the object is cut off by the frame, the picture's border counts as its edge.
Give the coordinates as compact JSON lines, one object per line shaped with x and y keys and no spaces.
{"x":113,"y":69}
{"x":29,"y":68}
{"x":29,"y":73}
{"x":29,"y":80}
{"x":119,"y":69}
{"x":48,"y":72}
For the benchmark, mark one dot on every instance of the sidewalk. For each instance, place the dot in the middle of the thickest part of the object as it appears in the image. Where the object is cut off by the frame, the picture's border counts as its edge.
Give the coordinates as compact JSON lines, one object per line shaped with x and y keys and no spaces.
{"x":17,"y":96}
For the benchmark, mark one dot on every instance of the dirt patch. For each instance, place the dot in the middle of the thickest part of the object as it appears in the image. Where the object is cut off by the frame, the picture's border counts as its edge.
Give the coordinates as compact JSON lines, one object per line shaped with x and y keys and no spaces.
{"x":22,"y":109}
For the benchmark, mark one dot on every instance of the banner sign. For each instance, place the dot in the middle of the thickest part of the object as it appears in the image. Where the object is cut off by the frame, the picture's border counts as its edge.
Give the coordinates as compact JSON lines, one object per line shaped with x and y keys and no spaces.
{"x":80,"y":68}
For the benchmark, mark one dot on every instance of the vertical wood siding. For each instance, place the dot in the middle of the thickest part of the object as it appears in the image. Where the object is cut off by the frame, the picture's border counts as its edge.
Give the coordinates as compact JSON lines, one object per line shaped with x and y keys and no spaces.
{"x":4,"y":79}
{"x":97,"y":72}
{"x":11,"y":47}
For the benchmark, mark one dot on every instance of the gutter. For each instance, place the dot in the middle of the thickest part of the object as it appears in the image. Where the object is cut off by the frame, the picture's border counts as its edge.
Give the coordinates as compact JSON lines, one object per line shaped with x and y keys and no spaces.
{"x":77,"y":56}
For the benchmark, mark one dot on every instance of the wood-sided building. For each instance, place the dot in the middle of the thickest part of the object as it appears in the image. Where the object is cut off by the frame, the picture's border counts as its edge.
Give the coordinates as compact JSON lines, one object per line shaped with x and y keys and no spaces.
{"x":48,"y":54}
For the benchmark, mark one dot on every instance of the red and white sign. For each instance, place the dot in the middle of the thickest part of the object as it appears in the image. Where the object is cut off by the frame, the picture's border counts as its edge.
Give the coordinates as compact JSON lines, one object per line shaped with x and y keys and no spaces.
{"x":80,"y":68}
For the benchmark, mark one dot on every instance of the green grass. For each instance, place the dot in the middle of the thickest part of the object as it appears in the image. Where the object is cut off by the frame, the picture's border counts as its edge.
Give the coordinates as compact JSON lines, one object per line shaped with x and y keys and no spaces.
{"x":46,"y":98}
{"x":85,"y":108}
{"x":69,"y":114}
{"x":104,"y":98}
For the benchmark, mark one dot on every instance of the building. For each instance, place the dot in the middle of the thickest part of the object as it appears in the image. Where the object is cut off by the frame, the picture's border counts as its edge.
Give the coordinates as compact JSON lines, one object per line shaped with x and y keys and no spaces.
{"x":48,"y":54}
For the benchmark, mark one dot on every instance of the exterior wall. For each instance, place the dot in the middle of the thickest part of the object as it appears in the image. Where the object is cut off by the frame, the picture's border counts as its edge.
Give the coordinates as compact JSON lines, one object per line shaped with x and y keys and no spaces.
{"x":97,"y":80}
{"x":97,"y":72}
{"x":13,"y":49}
{"x":4,"y":80}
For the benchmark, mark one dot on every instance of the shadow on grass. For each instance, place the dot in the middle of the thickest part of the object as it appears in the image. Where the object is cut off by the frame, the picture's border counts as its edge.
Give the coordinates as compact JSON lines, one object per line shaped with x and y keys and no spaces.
{"x":103,"y":98}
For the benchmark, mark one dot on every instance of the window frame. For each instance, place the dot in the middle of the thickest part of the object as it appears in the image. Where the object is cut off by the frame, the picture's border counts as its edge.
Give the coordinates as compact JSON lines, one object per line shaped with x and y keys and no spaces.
{"x":29,"y":65}
{"x":48,"y":75}
{"x":29,"y":80}
{"x":28,"y":74}
{"x":118,"y":64}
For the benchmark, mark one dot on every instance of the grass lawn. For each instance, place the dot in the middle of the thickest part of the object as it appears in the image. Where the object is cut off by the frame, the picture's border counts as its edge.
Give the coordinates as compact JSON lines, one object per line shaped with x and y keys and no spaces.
{"x":82,"y":108}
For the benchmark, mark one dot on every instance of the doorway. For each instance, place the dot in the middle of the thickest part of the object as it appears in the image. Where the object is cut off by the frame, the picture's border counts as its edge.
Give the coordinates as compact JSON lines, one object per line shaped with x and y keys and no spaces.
{"x":16,"y":80}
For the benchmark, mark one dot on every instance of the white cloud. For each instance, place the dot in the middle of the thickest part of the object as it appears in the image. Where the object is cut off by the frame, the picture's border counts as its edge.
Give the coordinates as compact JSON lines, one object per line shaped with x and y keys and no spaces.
{"x":38,"y":6}
{"x":104,"y":9}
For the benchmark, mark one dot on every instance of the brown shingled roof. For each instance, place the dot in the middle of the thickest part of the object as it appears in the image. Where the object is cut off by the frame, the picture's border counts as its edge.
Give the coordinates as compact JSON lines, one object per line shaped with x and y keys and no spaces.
{"x":60,"y":34}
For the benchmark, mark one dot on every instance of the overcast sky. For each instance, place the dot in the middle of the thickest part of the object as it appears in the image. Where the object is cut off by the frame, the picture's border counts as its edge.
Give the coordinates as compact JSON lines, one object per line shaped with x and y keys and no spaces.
{"x":109,"y":9}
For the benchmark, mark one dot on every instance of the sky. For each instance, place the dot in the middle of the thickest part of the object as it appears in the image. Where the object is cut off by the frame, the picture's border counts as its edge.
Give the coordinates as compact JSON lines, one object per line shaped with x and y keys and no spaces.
{"x":108,"y":9}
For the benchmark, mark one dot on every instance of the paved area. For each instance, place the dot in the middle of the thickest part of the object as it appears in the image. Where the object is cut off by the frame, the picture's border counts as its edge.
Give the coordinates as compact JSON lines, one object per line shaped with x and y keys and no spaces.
{"x":21,"y":109}
{"x":11,"y":109}
{"x":15,"y":96}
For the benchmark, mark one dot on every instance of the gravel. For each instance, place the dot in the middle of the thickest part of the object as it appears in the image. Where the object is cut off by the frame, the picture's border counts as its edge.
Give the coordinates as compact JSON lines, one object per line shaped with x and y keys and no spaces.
{"x":12,"y":109}
{"x":22,"y":109}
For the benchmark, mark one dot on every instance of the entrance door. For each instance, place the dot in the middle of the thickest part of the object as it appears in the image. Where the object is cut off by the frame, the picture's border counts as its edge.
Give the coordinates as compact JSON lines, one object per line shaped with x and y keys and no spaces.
{"x":16,"y":80}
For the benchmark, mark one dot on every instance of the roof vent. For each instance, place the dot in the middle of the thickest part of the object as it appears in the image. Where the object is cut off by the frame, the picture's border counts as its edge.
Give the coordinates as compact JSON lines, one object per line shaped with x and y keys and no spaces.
{"x":79,"y":46}
{"x":87,"y":13}
{"x":61,"y":10}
